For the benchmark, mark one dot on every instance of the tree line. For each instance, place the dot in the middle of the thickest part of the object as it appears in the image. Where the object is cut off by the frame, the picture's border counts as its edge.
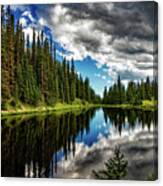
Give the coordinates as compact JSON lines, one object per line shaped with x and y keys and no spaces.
{"x":134,"y":94}
{"x":30,"y":71}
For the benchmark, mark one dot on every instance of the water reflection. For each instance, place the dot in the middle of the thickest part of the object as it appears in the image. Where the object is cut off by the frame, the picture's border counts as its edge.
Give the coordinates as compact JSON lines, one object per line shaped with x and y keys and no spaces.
{"x":28,"y":144}
{"x":121,"y":117}
{"x":36,"y":146}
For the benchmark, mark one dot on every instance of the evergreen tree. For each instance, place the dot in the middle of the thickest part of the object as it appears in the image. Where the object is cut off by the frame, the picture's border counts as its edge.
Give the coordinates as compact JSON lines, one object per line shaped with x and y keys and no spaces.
{"x":72,"y":82}
{"x":4,"y":65}
{"x":134,"y":93}
{"x":55,"y":69}
{"x":105,"y":95}
{"x":148,"y":89}
{"x":33,"y":57}
{"x":66,"y":82}
{"x":82,"y":89}
{"x":16,"y":58}
{"x":119,"y":90}
{"x":87,"y":90}
{"x":10,"y":49}
{"x":30,"y":71}
{"x":116,"y":167}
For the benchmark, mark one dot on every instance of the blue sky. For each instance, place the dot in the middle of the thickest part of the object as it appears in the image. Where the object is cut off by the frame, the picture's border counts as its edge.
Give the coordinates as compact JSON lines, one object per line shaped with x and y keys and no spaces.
{"x":91,"y":34}
{"x":86,"y":66}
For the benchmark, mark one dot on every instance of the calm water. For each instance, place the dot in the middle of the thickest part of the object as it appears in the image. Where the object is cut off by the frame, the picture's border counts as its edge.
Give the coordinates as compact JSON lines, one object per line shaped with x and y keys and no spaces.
{"x":71,"y":145}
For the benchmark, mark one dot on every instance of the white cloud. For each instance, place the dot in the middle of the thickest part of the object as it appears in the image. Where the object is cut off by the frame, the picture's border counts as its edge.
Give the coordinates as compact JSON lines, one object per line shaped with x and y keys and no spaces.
{"x":103,"y":77}
{"x":29,"y":15}
{"x":95,"y":155}
{"x":109,"y":6}
{"x":125,"y":82}
{"x":89,"y":36}
{"x":28,"y":31}
{"x":100,"y":76}
{"x":42,"y":21}
{"x":23,"y":21}
{"x":68,"y":30}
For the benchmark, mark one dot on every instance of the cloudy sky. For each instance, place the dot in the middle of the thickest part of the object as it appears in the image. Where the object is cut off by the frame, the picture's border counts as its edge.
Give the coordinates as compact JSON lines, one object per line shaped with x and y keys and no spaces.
{"x":105,"y":39}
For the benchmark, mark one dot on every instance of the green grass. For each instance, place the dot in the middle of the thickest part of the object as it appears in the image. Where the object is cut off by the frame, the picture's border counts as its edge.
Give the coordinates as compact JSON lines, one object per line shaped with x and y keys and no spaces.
{"x":78,"y":104}
{"x":149,"y":103}
{"x":59,"y":107}
{"x":146,"y":105}
{"x":16,"y":118}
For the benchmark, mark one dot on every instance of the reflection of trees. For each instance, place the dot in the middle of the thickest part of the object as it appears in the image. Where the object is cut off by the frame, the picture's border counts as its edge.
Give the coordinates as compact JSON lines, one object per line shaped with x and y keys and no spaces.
{"x":31,"y":142}
{"x":146,"y":118}
{"x":118,"y":117}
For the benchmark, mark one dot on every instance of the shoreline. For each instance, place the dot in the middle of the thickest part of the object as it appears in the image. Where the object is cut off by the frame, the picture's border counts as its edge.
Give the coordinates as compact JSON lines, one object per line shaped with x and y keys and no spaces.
{"x":128,"y":106}
{"x":46,"y":109}
{"x":69,"y":107}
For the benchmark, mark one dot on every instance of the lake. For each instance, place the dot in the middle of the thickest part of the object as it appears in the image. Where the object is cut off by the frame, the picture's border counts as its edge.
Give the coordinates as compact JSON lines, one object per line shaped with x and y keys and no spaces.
{"x":72,"y":144}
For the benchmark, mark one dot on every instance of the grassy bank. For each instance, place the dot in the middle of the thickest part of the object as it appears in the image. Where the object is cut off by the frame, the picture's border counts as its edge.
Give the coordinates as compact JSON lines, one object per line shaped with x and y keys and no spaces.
{"x":76,"y":105}
{"x":146,"y":105}
{"x":27,"y":109}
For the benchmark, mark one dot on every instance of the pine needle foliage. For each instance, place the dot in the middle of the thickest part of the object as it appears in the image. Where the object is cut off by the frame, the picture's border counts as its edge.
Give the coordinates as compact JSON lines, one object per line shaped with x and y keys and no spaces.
{"x":115,"y":167}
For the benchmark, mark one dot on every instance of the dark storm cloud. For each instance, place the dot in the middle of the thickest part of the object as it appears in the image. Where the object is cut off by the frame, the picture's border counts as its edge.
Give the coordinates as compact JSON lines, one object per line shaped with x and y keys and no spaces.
{"x":108,"y":32}
{"x":133,"y":19}
{"x":132,"y":47}
{"x":90,"y":42}
{"x":130,"y":19}
{"x":145,"y":67}
{"x":125,"y":19}
{"x":133,"y":50}
{"x":129,"y":75}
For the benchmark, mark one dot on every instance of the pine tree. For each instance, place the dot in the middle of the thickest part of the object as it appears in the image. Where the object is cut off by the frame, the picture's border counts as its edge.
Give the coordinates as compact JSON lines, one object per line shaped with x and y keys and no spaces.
{"x":119,"y":90}
{"x":77,"y":86}
{"x":147,"y":89}
{"x":10,"y":49}
{"x":87,"y":90}
{"x":105,"y":95}
{"x":83,"y":90}
{"x":116,"y":167}
{"x":61,"y":83}
{"x":31,"y":72}
{"x":66,"y":82}
{"x":20,"y":67}
{"x":39,"y":64}
{"x":4,"y":62}
{"x":55,"y":70}
{"x":44,"y":67}
{"x":72,"y":82}
{"x":33,"y":55}
{"x":16,"y":58}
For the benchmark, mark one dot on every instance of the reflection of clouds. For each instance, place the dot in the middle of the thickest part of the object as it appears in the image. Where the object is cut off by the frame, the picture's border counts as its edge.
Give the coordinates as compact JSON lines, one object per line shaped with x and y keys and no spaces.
{"x":139,"y":149}
{"x":31,"y":172}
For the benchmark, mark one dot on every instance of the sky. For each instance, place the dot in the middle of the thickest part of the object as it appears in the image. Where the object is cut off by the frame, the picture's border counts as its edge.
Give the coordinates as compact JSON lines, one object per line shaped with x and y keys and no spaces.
{"x":105,"y":39}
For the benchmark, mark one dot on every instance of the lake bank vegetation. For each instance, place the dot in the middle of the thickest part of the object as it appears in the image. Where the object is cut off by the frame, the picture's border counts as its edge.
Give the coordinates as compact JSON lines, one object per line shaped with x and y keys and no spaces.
{"x":58,"y":107}
{"x":33,"y":80}
{"x":136,"y":95}
{"x":31,"y":74}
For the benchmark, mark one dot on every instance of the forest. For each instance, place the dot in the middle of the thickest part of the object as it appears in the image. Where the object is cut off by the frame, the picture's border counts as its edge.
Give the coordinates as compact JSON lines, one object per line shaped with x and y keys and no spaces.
{"x":31,"y":73}
{"x":133,"y":94}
